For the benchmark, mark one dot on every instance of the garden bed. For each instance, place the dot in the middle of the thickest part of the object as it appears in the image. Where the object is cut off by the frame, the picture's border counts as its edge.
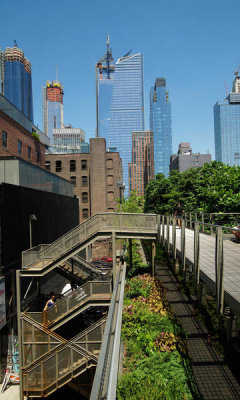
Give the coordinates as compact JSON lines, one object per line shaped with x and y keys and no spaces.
{"x":156,"y":363}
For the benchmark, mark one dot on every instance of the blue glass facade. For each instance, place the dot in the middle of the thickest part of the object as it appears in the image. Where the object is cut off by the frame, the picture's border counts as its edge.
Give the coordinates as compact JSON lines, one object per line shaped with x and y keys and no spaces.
{"x":127,"y":108}
{"x":161,"y":125}
{"x":227,"y":130}
{"x":105,"y":87}
{"x":18,"y":82}
{"x":54,"y":117}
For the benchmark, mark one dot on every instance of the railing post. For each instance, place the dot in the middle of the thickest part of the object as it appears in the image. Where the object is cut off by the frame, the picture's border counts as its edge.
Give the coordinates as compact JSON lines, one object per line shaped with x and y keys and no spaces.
{"x":153,"y":257}
{"x":190,"y":220}
{"x":168,"y":241}
{"x":158,"y":226}
{"x":20,"y":336}
{"x":202,"y":222}
{"x":174,"y":238}
{"x":211,"y":222}
{"x":163,"y":229}
{"x":130,"y":253}
{"x":219,"y":270}
{"x":114,"y":256}
{"x":183,"y":245}
{"x":196,"y":253}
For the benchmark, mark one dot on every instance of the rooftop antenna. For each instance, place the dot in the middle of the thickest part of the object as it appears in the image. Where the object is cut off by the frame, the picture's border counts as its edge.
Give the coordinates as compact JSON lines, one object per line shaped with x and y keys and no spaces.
{"x":15,"y":43}
{"x":56,"y":73}
{"x":226,"y":88}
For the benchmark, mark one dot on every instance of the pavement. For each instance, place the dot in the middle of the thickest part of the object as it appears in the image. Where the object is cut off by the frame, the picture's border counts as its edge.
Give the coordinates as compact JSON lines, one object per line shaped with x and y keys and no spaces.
{"x":11,"y":393}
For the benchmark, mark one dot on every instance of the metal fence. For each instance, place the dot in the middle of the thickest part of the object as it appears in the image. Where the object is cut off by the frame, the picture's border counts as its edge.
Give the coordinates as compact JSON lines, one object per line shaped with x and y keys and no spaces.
{"x":210,"y":252}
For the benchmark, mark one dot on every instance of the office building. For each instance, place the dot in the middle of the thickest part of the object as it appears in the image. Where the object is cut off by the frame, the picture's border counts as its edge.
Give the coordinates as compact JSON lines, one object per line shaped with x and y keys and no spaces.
{"x":69,"y":140}
{"x":16,"y":79}
{"x":104,"y":86}
{"x":161,"y":126}
{"x":227,"y":126}
{"x":52,"y":98}
{"x":185,"y":159}
{"x":97,"y":177}
{"x":127,"y":108}
{"x":141,"y":169}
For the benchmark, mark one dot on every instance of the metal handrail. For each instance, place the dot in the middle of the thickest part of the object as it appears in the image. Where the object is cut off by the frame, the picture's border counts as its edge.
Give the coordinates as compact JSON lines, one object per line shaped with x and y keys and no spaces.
{"x":88,"y":228}
{"x":105,"y":380}
{"x":70,"y":302}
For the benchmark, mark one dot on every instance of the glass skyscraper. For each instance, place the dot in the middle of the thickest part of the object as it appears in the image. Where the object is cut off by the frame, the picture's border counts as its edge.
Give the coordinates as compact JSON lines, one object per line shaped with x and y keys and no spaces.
{"x":17,"y":80}
{"x":161,"y":125}
{"x":104,"y":86}
{"x":227,"y":127}
{"x":127,"y":108}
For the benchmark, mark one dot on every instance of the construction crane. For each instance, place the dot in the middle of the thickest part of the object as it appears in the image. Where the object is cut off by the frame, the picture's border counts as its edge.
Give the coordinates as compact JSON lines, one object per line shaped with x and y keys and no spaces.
{"x":237,"y":71}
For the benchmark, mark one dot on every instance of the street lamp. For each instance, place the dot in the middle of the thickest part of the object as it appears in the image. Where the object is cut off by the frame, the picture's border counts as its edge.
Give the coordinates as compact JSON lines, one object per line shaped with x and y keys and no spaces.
{"x":32,"y":217}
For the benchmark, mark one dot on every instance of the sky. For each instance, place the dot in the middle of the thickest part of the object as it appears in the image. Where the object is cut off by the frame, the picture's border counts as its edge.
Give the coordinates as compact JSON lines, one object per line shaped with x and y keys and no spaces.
{"x":194,"y":44}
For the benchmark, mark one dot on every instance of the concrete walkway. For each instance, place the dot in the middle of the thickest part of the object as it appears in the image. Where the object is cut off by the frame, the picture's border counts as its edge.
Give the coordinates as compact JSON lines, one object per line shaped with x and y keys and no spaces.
{"x":11,"y":393}
{"x":213,"y":377}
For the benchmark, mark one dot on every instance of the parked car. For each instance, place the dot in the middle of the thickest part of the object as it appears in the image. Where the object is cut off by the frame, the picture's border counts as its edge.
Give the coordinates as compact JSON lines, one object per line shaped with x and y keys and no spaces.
{"x":107,"y":259}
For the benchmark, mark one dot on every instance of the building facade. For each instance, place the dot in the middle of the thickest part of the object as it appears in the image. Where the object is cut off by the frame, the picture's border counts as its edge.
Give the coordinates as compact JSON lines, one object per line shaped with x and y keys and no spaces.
{"x":105,"y":69}
{"x":141,"y":169}
{"x":52,"y":100}
{"x":127,"y":108}
{"x":227,"y":127}
{"x":19,"y":137}
{"x":16,"y":80}
{"x":69,"y":140}
{"x":185,"y":159}
{"x":161,"y":126}
{"x":97,"y":177}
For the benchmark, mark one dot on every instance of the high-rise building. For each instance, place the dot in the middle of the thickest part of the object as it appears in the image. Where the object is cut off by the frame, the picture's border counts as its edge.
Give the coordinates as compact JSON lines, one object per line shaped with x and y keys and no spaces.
{"x":141,"y":169}
{"x":52,"y":96}
{"x":69,"y":140}
{"x":161,"y":125}
{"x":16,"y":79}
{"x":227,"y":126}
{"x":185,"y":159}
{"x":127,"y":108}
{"x":104,"y":86}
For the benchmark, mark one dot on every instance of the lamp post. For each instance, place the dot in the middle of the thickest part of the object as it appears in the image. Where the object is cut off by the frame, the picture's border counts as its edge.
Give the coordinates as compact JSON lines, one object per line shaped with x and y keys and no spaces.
{"x":32,"y":217}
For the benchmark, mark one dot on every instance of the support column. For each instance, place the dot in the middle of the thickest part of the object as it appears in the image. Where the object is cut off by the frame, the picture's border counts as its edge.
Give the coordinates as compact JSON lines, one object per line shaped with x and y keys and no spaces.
{"x":18,"y":284}
{"x":202,"y":293}
{"x":168,"y":241}
{"x":153,"y":257}
{"x":219,"y":270}
{"x":114,"y":257}
{"x":130,"y":254}
{"x":174,"y":238}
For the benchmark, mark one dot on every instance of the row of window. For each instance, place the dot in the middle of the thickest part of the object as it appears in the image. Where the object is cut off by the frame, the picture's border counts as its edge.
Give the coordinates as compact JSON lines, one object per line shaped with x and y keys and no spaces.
{"x":58,"y":165}
{"x":84,"y":180}
{"x":19,"y":146}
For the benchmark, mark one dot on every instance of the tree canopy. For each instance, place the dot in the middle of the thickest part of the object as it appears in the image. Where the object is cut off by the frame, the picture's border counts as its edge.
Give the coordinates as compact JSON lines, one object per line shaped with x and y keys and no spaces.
{"x":215,"y":187}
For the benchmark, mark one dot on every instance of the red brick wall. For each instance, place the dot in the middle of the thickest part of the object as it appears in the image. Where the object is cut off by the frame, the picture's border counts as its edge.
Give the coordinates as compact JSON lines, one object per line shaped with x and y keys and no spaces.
{"x":16,"y":132}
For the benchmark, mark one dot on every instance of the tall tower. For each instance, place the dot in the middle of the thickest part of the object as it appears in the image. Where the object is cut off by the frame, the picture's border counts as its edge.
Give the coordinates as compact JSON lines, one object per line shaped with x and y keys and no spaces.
{"x":161,"y":125}
{"x":104,"y":85}
{"x":17,"y":77}
{"x":52,"y":96}
{"x":227,"y":126}
{"x":127,"y":108}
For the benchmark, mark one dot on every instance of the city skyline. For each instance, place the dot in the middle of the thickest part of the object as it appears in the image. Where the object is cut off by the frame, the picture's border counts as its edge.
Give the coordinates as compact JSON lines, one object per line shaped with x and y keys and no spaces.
{"x":194,"y":61}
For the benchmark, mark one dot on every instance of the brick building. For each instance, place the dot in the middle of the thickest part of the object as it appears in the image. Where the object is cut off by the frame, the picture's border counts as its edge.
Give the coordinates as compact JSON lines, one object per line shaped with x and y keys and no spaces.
{"x":141,"y":169}
{"x":16,"y":138}
{"x":97,"y":177}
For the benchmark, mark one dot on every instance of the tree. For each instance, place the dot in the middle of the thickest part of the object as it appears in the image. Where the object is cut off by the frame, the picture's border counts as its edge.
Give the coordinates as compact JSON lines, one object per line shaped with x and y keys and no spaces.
{"x":132,"y":204}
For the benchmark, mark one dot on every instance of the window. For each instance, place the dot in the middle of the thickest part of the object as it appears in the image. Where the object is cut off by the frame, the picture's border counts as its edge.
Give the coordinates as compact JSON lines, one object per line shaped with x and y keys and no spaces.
{"x":58,"y":166}
{"x":29,"y":153}
{"x":73,"y":180}
{"x":38,"y":155}
{"x":110,"y":196}
{"x":19,"y":147}
{"x":110,"y":180}
{"x":84,"y":181}
{"x":85,"y":197}
{"x":85,"y":212}
{"x":55,"y":122}
{"x":110,"y":163}
{"x":72,"y":165}
{"x":48,"y":165}
{"x":84,"y":164}
{"x":4,"y":139}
